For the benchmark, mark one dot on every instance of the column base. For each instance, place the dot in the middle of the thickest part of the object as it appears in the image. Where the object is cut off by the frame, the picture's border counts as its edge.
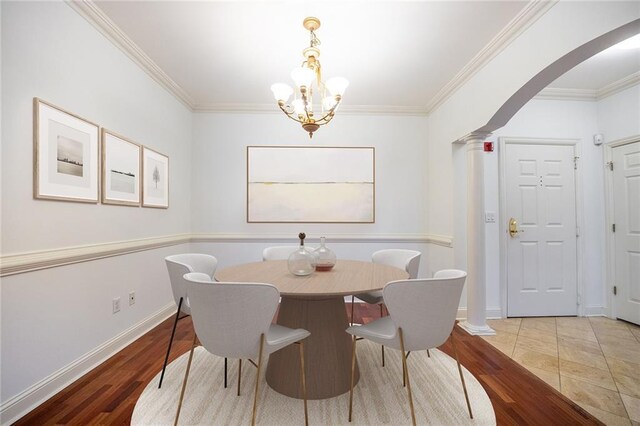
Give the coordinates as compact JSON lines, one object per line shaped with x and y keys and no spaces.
{"x":483,"y":330}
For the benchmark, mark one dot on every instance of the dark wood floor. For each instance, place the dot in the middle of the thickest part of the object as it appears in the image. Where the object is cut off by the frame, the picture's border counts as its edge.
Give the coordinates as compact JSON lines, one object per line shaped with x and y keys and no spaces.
{"x":107,"y":394}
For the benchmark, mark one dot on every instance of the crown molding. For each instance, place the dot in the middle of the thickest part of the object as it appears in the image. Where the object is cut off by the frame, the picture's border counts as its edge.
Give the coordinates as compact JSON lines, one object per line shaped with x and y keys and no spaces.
{"x":344,"y":109}
{"x":96,"y":17}
{"x":527,"y":16}
{"x":620,"y":85}
{"x":559,"y":94}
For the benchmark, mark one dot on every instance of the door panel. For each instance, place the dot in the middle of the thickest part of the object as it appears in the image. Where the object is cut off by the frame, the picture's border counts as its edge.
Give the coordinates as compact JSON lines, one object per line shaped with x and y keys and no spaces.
{"x":542,"y":256}
{"x":626,"y":192}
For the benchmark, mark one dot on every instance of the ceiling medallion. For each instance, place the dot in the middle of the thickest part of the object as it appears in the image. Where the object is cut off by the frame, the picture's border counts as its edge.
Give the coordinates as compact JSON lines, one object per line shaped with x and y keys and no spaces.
{"x":308,"y":82}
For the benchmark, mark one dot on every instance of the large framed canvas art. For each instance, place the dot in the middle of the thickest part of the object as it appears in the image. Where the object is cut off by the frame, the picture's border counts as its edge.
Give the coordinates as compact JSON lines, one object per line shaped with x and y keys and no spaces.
{"x":65,"y":155}
{"x":310,"y":184}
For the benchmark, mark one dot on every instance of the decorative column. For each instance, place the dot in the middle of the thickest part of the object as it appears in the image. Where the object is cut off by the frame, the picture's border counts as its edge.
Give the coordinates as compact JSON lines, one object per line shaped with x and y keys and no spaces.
{"x":476,"y":322}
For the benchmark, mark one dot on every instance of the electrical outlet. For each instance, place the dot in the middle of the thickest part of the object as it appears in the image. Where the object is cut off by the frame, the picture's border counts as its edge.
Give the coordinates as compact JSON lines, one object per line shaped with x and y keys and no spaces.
{"x":132,"y":298}
{"x":116,"y":305}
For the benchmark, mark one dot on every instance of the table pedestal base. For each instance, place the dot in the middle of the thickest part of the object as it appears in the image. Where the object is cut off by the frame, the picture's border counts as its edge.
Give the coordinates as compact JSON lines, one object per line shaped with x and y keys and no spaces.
{"x":327,"y":350}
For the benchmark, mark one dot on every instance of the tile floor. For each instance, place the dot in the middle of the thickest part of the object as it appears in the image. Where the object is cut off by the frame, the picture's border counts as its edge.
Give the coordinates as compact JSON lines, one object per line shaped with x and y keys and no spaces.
{"x":593,"y":361}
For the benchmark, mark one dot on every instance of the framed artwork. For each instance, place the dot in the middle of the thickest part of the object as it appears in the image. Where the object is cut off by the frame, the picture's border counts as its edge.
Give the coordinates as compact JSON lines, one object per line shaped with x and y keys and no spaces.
{"x":120,"y":170}
{"x":155,"y":179}
{"x":65,"y":152}
{"x":310,"y":184}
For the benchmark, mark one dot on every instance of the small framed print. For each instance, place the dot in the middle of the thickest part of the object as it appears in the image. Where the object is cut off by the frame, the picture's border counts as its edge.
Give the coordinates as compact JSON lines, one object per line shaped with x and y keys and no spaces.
{"x":65,"y":152}
{"x":155,"y":179}
{"x":120,"y":170}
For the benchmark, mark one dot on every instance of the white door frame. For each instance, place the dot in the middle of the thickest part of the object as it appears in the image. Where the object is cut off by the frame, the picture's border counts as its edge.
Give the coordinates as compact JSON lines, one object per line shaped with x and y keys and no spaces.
{"x":503,"y":141}
{"x":610,"y":274}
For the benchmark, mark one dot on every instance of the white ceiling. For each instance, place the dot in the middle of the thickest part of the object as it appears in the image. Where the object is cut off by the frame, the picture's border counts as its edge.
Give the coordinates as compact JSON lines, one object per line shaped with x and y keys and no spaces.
{"x":396,"y":54}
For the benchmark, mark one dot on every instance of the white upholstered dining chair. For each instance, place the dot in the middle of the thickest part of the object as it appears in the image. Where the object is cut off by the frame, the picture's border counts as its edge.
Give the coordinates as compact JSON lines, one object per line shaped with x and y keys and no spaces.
{"x":178,"y":265}
{"x":422,"y":315}
{"x":409,"y":260}
{"x":278,"y":252}
{"x":234,"y":320}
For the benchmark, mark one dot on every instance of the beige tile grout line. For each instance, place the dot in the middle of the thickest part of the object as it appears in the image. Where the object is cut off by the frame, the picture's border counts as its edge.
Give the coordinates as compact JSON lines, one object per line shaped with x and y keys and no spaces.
{"x":609,"y":368}
{"x":516,"y":342}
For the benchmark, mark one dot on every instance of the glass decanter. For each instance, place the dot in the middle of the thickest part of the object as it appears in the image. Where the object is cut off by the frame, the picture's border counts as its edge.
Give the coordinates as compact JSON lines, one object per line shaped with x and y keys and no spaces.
{"x":325,"y":257}
{"x":302,"y":261}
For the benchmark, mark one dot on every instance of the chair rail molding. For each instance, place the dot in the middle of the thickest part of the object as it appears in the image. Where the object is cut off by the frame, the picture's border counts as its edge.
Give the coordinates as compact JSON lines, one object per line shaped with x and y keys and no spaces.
{"x":441,"y":240}
{"x":18,"y":263}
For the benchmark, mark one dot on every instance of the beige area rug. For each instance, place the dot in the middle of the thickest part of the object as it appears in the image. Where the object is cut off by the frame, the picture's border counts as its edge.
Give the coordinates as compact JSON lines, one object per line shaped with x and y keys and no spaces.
{"x":379,"y":397}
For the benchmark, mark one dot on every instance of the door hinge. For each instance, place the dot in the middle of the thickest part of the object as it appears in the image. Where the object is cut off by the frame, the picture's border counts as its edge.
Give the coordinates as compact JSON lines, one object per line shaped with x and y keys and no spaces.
{"x":613,"y":227}
{"x":577,"y":231}
{"x":575,"y":163}
{"x":610,"y":164}
{"x":615,"y":290}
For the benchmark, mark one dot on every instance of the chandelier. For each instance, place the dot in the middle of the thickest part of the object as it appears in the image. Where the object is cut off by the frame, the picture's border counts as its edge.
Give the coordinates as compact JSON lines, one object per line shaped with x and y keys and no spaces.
{"x":308,"y":82}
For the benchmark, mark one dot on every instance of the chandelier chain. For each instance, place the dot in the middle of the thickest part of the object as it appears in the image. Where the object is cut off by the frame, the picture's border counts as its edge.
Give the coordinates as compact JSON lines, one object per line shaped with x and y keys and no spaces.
{"x":315,"y":41}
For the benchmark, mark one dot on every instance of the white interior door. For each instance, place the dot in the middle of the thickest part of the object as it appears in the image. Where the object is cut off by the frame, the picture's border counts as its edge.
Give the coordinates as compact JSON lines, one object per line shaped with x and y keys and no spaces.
{"x":542,"y":255}
{"x":626,"y":205}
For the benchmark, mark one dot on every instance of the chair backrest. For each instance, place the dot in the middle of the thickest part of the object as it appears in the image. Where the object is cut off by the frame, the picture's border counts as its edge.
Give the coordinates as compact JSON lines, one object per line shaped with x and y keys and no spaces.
{"x":409,"y":260}
{"x":230,"y":317}
{"x":180,"y":264}
{"x":425,"y":309}
{"x":278,"y":252}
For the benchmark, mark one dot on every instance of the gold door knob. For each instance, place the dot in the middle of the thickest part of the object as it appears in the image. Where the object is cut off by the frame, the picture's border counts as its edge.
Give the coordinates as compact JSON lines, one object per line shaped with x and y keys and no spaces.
{"x":513,"y":227}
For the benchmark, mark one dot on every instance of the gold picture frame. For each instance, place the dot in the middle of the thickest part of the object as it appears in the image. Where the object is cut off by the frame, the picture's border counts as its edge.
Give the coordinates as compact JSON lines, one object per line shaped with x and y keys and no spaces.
{"x":65,"y":155}
{"x":121,"y":167}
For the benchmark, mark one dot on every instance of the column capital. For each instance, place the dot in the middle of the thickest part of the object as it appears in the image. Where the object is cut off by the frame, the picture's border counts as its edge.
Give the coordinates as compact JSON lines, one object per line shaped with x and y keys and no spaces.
{"x":474,"y":137}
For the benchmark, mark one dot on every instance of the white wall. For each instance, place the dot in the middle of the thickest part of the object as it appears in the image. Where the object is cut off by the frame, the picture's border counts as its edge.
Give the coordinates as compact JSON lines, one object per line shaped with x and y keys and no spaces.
{"x":219,"y":178}
{"x":619,"y":114}
{"x":52,"y":317}
{"x":219,"y":170}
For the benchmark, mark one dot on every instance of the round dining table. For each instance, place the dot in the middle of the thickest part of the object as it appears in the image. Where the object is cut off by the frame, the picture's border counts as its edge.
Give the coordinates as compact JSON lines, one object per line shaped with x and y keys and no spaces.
{"x":316,"y":303}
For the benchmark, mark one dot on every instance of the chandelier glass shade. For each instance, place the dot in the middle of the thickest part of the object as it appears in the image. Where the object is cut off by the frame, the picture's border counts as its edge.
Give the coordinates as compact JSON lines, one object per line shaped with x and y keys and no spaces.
{"x":309,"y":87}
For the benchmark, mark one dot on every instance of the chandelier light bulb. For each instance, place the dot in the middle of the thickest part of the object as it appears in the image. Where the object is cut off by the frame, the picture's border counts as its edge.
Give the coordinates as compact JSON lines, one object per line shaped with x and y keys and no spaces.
{"x":298,"y":106}
{"x":328,"y":102}
{"x":337,"y":85}
{"x":302,"y":76}
{"x":281,"y":91}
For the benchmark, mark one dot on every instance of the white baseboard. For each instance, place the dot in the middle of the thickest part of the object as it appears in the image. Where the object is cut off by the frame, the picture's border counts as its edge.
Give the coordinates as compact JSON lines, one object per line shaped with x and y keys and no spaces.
{"x":21,"y":404}
{"x":594,"y":311}
{"x":492,"y":313}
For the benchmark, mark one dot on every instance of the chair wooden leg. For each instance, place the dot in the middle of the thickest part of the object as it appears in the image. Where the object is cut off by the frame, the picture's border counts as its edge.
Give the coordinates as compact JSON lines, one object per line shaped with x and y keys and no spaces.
{"x":239,"y":374}
{"x":255,"y":396}
{"x":225,"y":373}
{"x":464,"y":386}
{"x":352,"y":304}
{"x":428,"y":353}
{"x":406,"y":369}
{"x":303,"y":382}
{"x":353,"y":369}
{"x":381,"y":315}
{"x":173,"y":332}
{"x":184,"y":382}
{"x":404,"y":376}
